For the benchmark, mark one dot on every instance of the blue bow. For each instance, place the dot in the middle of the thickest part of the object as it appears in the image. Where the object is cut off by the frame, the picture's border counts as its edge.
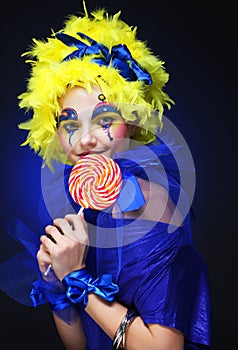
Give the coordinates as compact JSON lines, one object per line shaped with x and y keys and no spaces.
{"x":53,"y":293}
{"x":131,"y":196}
{"x":119,"y":58}
{"x":80,"y":283}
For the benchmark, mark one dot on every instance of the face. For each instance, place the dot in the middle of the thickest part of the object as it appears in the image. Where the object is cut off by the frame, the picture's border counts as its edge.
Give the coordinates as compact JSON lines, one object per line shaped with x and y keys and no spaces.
{"x":88,"y":125}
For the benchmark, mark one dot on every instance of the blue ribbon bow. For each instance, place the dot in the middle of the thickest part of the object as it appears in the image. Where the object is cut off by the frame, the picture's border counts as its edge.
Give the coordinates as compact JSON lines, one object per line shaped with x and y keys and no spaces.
{"x":80,"y":283}
{"x":131,"y":196}
{"x":119,"y":58}
{"x":53,"y":293}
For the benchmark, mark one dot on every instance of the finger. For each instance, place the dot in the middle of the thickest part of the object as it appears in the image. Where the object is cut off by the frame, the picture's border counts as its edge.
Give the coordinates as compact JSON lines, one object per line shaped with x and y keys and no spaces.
{"x":49,"y":240}
{"x":80,"y":227}
{"x":63,"y":226}
{"x":43,"y":259}
{"x":54,"y":233}
{"x":50,"y":237}
{"x":42,"y":246}
{"x":77,"y":222}
{"x":48,"y":232}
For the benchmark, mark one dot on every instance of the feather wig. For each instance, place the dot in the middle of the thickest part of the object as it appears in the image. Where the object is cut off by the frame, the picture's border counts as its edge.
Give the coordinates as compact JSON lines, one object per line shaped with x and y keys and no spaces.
{"x":51,"y":75}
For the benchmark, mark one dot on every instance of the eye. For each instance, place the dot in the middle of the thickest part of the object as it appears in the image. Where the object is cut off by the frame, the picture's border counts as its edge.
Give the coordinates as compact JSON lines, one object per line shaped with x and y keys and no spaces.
{"x":105,"y":121}
{"x":70,"y":127}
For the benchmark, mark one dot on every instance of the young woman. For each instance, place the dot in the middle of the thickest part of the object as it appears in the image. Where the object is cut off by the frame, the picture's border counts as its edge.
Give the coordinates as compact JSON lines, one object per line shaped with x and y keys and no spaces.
{"x":128,"y":276}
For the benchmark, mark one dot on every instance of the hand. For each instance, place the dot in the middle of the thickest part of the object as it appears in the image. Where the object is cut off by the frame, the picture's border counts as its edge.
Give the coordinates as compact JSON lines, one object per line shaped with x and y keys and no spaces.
{"x":66,"y":245}
{"x":44,"y":259}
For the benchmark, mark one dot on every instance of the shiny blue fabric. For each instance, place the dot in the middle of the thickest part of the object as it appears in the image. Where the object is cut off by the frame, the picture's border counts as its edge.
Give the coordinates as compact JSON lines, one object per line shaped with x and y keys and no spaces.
{"x":156,"y":266}
{"x":50,"y":290}
{"x":119,"y":57}
{"x":80,"y":283}
{"x":130,"y":196}
{"x":164,"y":278}
{"x":160,"y":273}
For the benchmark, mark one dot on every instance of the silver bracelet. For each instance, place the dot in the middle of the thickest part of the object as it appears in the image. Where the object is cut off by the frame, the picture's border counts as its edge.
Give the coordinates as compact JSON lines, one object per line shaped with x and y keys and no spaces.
{"x":119,"y":340}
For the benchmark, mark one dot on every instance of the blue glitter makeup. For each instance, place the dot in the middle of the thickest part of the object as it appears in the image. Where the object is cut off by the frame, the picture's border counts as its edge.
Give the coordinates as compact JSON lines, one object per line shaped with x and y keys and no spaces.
{"x":69,"y":114}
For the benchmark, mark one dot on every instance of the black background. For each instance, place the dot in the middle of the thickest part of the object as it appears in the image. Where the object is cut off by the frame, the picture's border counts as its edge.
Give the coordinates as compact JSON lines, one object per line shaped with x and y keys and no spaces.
{"x":197,"y":40}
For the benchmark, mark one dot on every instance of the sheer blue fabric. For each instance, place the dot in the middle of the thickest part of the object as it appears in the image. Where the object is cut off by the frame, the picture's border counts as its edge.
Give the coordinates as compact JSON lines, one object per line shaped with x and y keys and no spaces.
{"x":156,"y":265}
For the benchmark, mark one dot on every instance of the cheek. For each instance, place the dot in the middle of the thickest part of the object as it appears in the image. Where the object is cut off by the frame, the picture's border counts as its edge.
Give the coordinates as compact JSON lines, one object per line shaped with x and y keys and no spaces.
{"x":119,"y":131}
{"x":64,"y":140}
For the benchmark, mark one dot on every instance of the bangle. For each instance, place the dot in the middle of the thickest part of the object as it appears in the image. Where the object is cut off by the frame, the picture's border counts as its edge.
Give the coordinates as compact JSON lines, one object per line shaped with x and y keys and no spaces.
{"x":119,"y":340}
{"x":80,"y":283}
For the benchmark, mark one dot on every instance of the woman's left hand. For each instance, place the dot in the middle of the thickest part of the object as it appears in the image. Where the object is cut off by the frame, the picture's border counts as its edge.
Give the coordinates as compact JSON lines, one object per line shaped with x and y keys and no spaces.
{"x":66,"y":241}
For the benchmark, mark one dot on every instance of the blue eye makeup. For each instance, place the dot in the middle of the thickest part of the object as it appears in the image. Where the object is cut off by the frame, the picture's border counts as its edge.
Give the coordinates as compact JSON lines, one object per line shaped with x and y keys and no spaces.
{"x":102,"y":108}
{"x":105,"y":114}
{"x":68,"y":115}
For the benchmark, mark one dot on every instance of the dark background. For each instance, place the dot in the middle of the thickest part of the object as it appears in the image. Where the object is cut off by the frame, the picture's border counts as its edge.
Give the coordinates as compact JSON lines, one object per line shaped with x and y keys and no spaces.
{"x":197,"y":40}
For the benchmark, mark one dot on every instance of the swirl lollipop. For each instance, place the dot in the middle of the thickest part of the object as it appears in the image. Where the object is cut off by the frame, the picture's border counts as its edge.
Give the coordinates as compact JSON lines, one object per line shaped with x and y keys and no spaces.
{"x":95,"y":182}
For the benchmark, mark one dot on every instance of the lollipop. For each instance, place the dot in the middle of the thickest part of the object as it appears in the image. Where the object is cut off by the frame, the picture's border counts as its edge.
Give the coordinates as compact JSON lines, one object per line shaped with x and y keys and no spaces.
{"x":95,"y":182}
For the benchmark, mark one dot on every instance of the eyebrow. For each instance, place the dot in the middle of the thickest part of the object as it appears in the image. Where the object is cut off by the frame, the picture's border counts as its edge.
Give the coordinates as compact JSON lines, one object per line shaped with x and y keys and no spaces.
{"x":103,"y":107}
{"x":68,"y":113}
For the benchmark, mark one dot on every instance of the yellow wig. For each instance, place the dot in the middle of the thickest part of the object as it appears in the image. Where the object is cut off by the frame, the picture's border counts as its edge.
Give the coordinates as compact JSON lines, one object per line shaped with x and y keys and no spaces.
{"x":51,"y":76}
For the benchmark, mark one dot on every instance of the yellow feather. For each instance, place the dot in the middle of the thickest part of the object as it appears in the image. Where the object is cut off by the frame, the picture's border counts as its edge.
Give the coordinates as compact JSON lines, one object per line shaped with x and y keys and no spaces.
{"x":50,"y":77}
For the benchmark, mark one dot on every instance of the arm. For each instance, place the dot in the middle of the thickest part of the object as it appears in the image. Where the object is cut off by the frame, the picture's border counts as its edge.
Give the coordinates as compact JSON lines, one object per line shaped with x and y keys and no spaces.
{"x":71,"y":335}
{"x":108,"y":316}
{"x":138,"y":336}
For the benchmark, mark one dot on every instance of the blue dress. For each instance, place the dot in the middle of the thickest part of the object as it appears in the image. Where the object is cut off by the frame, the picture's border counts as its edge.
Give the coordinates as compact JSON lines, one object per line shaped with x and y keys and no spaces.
{"x":156,"y":265}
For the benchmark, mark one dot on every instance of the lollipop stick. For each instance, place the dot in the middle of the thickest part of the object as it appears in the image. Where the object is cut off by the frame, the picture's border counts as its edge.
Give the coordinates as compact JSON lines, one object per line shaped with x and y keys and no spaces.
{"x":47,"y":270}
{"x":80,"y":210}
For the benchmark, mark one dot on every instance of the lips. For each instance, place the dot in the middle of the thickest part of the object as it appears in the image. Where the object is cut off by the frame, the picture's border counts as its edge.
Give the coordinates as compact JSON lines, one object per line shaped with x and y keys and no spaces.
{"x":85,"y":153}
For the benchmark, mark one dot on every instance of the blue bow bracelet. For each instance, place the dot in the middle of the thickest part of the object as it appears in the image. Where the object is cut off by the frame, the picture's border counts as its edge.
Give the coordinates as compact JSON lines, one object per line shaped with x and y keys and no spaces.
{"x":44,"y":291}
{"x":53,"y":292}
{"x":80,"y":283}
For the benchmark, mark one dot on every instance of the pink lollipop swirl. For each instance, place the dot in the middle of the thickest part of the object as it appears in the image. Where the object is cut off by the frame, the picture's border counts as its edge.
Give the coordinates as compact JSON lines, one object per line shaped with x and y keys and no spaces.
{"x":95,"y":181}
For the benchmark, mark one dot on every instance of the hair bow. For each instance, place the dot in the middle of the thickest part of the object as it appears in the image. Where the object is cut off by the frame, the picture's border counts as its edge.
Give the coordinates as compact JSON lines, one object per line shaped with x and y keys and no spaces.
{"x":119,"y":58}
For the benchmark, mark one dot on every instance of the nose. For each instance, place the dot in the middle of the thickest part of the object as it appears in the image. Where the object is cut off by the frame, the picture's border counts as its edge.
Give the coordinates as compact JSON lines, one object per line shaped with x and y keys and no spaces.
{"x":87,"y":140}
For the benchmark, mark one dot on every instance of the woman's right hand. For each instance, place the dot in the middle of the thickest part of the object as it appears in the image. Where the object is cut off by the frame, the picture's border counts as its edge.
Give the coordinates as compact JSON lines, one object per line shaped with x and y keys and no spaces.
{"x":44,"y":259}
{"x":65,"y":245}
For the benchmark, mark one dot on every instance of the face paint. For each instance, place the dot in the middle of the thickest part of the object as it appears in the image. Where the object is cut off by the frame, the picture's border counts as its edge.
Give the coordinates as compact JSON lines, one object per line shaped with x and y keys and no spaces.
{"x":102,"y":97}
{"x":106,"y":128}
{"x":120,"y":131}
{"x":69,"y":114}
{"x":95,"y":127}
{"x":70,"y":136}
{"x":106,"y":114}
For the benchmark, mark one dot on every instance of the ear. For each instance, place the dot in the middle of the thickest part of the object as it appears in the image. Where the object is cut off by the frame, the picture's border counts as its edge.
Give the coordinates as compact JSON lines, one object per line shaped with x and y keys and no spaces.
{"x":131,"y":129}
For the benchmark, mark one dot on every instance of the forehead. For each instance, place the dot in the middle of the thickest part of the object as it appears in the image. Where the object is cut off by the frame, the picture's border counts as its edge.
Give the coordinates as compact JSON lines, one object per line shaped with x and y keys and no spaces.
{"x":80,"y":99}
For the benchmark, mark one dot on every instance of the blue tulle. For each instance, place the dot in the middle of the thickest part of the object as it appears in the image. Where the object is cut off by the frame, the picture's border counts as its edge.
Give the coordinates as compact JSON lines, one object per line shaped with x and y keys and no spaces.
{"x":156,"y":265}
